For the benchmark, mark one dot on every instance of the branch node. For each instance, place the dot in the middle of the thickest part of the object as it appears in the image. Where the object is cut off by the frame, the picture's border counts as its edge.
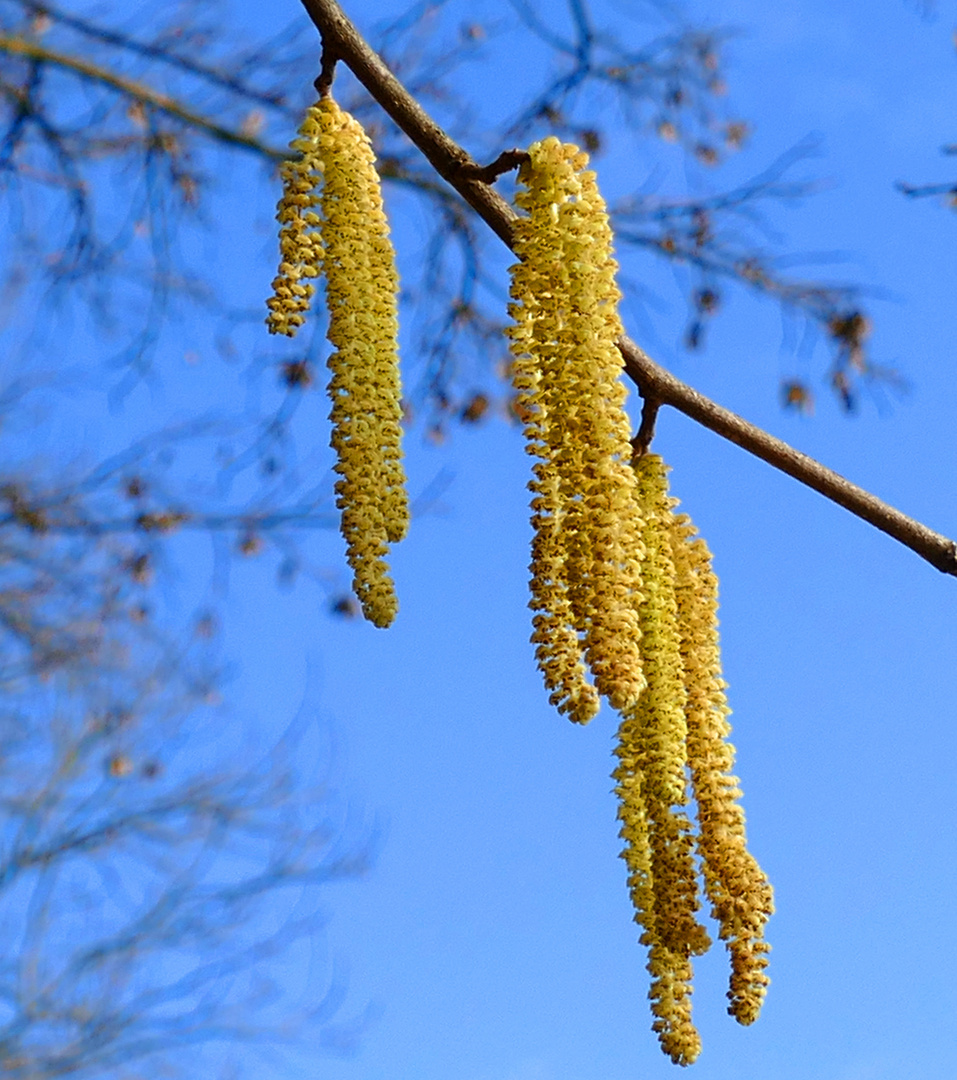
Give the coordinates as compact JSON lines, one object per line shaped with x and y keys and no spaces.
{"x":488,"y":174}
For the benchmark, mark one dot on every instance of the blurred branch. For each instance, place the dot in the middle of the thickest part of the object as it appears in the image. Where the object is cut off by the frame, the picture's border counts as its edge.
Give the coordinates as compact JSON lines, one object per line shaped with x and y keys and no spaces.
{"x":146,"y":913}
{"x":676,"y":74}
{"x":455,"y":166}
{"x":30,"y":50}
{"x":922,"y":191}
{"x":161,"y":53}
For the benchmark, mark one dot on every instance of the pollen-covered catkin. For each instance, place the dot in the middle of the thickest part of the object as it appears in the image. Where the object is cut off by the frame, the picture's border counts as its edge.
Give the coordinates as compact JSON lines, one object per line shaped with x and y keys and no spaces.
{"x":661,"y":708}
{"x":740,"y":894}
{"x":670,"y":970}
{"x":587,"y":553}
{"x":333,"y":222}
{"x":622,"y":591}
{"x":300,"y":245}
{"x":557,"y":647}
{"x":652,"y":746}
{"x":361,"y":287}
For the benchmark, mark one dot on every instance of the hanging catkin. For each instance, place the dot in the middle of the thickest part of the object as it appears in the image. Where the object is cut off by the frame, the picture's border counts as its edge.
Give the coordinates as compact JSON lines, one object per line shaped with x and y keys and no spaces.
{"x":623,"y":589}
{"x":679,"y":726}
{"x":652,"y":752}
{"x":586,"y":549}
{"x":348,"y":239}
{"x":300,"y":243}
{"x":740,"y":894}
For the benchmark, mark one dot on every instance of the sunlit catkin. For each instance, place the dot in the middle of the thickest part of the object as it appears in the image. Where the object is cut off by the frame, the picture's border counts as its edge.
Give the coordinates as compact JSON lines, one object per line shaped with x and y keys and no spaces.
{"x":361,"y":288}
{"x":300,"y":245}
{"x":333,"y":222}
{"x":587,"y":550}
{"x":670,"y":971}
{"x":740,"y":894}
{"x":661,"y":708}
{"x":653,"y":747}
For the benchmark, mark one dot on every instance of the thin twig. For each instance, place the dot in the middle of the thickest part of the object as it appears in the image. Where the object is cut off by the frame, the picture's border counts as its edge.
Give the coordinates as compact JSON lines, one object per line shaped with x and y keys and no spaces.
{"x":505,"y":162}
{"x":327,"y":72}
{"x":937,"y":549}
{"x":641,"y":443}
{"x":161,"y":53}
{"x":139,"y":92}
{"x":913,"y":192}
{"x":455,"y":166}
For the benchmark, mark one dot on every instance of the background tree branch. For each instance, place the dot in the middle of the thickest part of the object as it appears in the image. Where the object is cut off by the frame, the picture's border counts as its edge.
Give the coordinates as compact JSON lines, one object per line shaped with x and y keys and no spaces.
{"x":138,"y":92}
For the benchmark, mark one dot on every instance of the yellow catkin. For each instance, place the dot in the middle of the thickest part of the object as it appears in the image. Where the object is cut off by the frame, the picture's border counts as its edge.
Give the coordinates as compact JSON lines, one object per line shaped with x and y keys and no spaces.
{"x":300,"y":245}
{"x":670,"y":970}
{"x":740,"y":894}
{"x":652,"y":747}
{"x":557,"y":648}
{"x":586,"y":556}
{"x":361,"y":288}
{"x":671,"y":1005}
{"x":661,"y":709}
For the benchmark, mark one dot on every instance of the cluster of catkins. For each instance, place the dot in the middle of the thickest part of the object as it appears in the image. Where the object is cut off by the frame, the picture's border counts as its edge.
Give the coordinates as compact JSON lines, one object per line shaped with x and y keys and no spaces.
{"x":622,"y":587}
{"x":332,"y":224}
{"x":623,"y":591}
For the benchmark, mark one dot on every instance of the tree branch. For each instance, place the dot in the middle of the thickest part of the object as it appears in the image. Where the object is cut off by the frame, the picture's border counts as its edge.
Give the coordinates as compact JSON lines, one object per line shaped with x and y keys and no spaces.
{"x":161,"y":54}
{"x":139,"y":92}
{"x":654,"y":380}
{"x":926,"y":189}
{"x":455,"y":166}
{"x":445,"y":155}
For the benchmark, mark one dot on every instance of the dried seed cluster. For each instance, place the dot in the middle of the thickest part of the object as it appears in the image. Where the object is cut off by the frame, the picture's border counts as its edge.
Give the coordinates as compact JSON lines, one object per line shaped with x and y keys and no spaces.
{"x":586,"y":552}
{"x":623,"y":589}
{"x":333,"y":221}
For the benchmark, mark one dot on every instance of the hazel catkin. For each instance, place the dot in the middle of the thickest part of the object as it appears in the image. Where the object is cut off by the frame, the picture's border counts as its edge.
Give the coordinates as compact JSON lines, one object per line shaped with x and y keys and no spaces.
{"x":300,"y":243}
{"x":676,"y":732}
{"x":623,"y":591}
{"x":585,"y":569}
{"x":739,"y":892}
{"x":361,"y":288}
{"x":652,"y":751}
{"x":333,"y":221}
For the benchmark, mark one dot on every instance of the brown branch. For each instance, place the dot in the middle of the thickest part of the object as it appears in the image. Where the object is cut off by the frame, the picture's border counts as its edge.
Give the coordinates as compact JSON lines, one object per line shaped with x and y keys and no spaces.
{"x":653,"y":379}
{"x":455,"y":166}
{"x":139,"y":92}
{"x":445,"y":155}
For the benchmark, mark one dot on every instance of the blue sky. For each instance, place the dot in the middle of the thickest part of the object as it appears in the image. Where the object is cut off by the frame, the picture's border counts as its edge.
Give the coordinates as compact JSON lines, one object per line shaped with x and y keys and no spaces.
{"x":494,"y":932}
{"x":492,"y":938}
